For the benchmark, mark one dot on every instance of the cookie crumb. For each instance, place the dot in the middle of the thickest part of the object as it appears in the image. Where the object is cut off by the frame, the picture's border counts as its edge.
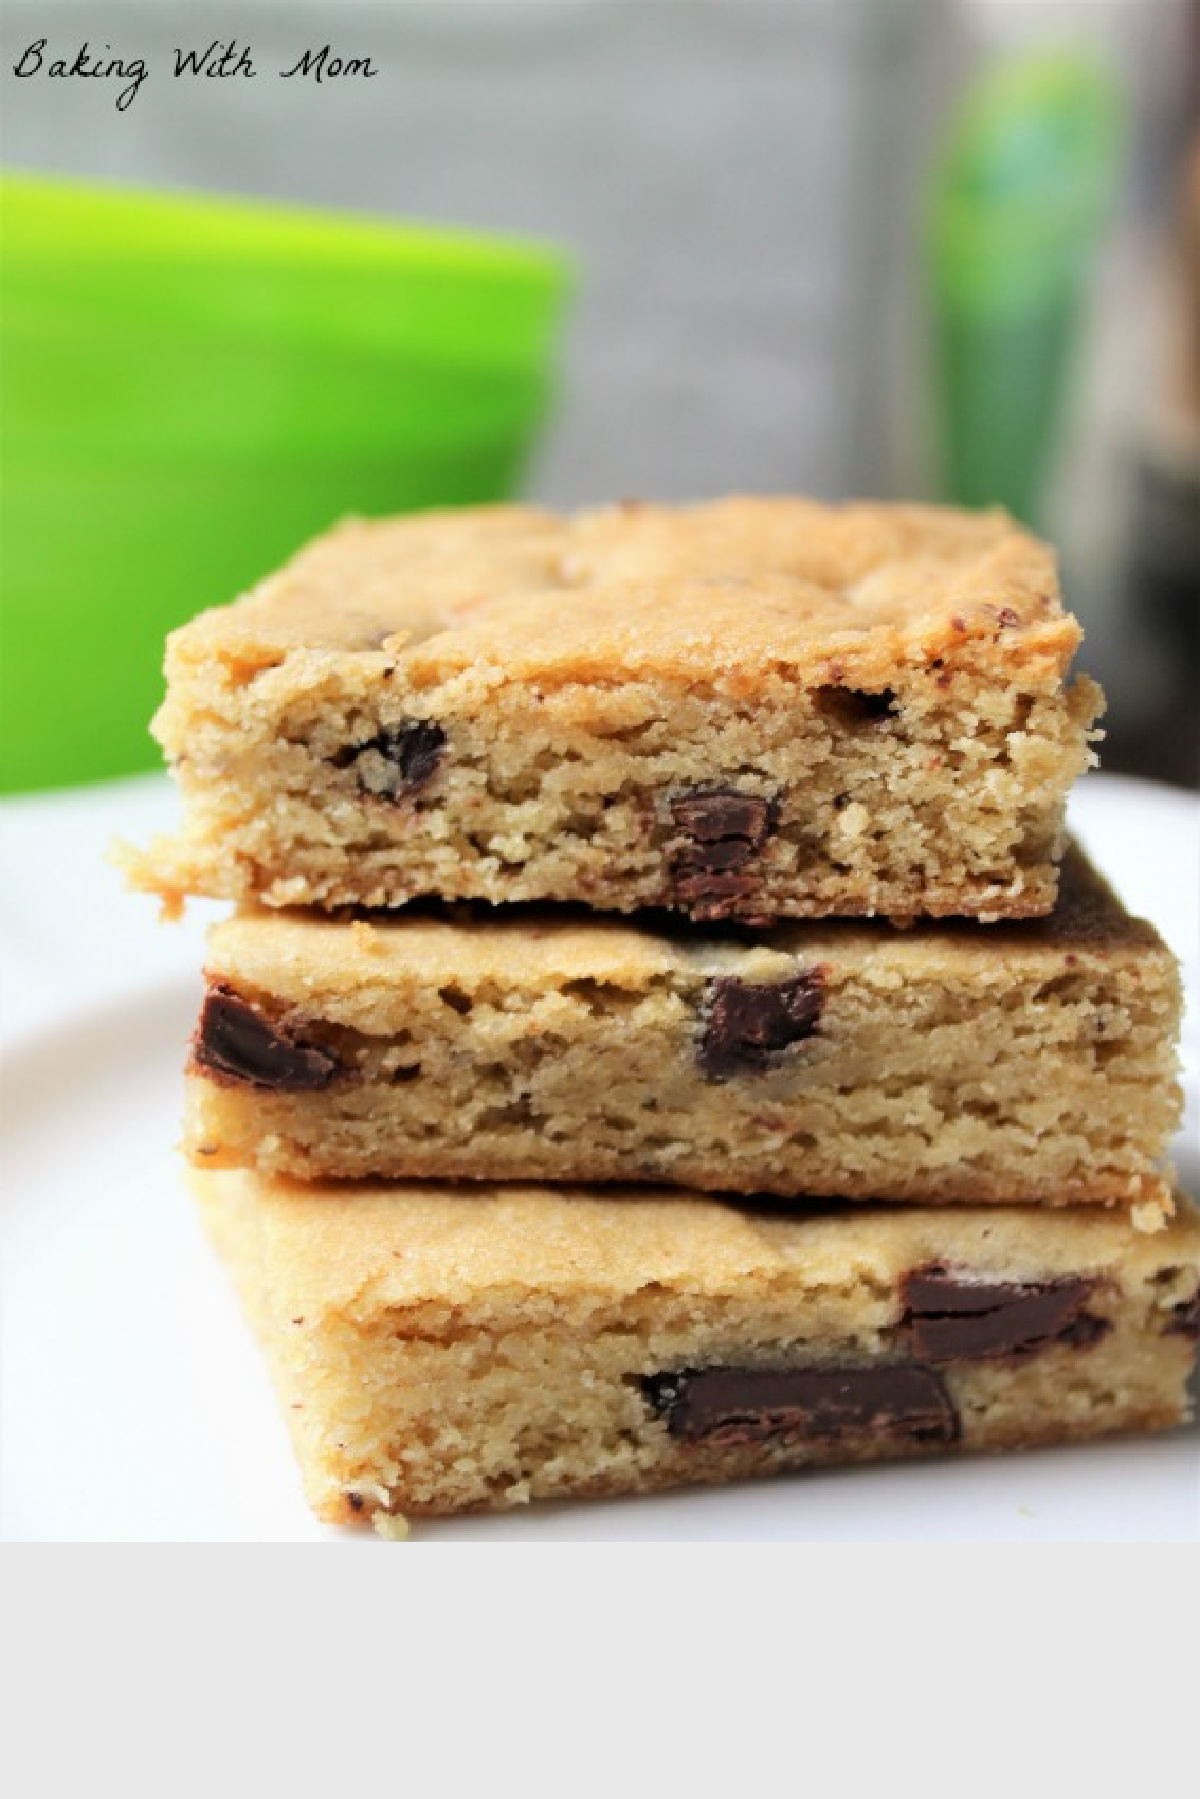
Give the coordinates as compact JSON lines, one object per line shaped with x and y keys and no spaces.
{"x":392,"y":1526}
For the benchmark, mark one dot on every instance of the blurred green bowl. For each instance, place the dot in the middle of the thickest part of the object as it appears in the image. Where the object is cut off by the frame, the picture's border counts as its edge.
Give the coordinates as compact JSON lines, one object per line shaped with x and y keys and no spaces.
{"x":192,"y":387}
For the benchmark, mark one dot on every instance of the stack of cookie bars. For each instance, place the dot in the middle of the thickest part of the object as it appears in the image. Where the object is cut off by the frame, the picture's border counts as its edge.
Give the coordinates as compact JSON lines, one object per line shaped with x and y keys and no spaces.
{"x":713,"y":857}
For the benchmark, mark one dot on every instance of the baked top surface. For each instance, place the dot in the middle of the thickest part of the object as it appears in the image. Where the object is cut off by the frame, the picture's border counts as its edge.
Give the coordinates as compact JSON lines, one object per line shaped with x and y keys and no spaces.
{"x":783,"y":583}
{"x":329,"y":1249}
{"x":301,"y":954}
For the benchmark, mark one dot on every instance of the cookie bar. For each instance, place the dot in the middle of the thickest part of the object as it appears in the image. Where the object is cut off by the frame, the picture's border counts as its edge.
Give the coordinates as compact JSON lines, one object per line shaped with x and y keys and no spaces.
{"x":750,"y":709}
{"x":437,"y":1355}
{"x":941,"y":1063}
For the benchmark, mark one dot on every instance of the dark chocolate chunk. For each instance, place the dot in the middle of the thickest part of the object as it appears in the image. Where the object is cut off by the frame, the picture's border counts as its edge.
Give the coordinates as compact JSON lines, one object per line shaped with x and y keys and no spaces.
{"x":398,"y":762}
{"x":726,"y":1407}
{"x":1185,"y":1318}
{"x":235,"y":1041}
{"x":746,"y":1025}
{"x":721,"y":857}
{"x":708,"y":898}
{"x":952,"y":1317}
{"x":850,"y":706}
{"x":713,"y":816}
{"x":723,"y":831}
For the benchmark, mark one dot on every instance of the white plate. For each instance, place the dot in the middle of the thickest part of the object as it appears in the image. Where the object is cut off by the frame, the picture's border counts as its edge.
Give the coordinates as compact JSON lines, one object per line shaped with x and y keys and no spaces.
{"x":134,"y":1404}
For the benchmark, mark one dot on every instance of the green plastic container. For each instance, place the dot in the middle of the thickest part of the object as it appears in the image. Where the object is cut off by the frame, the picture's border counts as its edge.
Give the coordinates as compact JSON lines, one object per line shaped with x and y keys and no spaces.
{"x":1019,"y":198}
{"x":192,"y":387}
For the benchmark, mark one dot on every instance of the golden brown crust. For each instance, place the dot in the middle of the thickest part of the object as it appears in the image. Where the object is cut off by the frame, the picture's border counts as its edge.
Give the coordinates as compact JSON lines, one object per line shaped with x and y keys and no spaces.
{"x":734,"y":589}
{"x":358,"y":1251}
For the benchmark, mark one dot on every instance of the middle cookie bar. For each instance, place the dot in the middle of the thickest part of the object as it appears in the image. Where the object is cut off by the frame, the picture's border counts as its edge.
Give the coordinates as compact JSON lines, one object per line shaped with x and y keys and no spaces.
{"x":841,"y":1059}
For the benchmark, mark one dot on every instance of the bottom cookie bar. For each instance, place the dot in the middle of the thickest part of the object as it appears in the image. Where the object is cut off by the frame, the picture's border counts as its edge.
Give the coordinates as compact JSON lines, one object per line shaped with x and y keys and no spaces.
{"x":438,"y":1353}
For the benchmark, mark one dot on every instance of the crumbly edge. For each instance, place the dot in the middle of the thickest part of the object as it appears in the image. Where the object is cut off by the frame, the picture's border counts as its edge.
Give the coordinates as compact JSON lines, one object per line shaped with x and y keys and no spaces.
{"x":534,"y":1395}
{"x":954,"y":806}
{"x":1058,"y":1084}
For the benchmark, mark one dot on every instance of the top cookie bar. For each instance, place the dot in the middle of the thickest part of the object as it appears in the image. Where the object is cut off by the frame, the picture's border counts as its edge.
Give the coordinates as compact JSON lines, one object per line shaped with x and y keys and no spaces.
{"x":749,"y":709}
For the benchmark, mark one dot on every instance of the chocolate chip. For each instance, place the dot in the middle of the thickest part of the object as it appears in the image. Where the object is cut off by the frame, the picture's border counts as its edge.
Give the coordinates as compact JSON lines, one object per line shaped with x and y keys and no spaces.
{"x":708,"y":898}
{"x":1084,"y":1331}
{"x":236,"y":1041}
{"x":1185,"y":1318}
{"x":747,"y":1024}
{"x":952,"y":1317}
{"x":398,"y":762}
{"x":727,"y":1407}
{"x":850,"y":706}
{"x":724,"y":832}
{"x":720,"y":857}
{"x":355,"y":1501}
{"x":711,"y":817}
